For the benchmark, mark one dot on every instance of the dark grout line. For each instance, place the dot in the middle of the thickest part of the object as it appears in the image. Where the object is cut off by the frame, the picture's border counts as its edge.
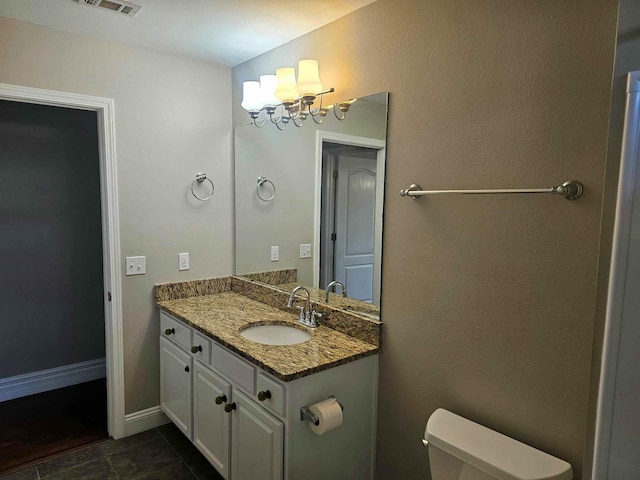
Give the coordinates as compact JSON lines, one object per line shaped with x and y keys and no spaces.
{"x":97,"y":445}
{"x":195,"y":477}
{"x":70,"y":468}
{"x":111,"y":465}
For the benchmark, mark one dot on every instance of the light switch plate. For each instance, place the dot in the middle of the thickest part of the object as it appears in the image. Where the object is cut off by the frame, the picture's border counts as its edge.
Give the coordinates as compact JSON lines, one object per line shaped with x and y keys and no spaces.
{"x":136,"y":265}
{"x":183,"y":261}
{"x":275,"y":253}
{"x":305,"y":250}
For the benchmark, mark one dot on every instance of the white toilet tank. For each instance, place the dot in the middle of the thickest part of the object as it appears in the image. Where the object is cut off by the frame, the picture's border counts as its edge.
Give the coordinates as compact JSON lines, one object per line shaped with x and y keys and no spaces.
{"x":460,"y":449}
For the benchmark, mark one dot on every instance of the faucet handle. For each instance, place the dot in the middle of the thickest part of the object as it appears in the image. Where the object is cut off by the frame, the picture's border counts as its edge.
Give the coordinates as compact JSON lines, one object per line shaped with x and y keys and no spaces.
{"x":315,"y":317}
{"x":302,"y":313}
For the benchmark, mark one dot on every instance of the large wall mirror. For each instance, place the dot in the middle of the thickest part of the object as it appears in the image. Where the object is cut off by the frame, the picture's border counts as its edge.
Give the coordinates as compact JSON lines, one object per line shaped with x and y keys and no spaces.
{"x":315,"y":195}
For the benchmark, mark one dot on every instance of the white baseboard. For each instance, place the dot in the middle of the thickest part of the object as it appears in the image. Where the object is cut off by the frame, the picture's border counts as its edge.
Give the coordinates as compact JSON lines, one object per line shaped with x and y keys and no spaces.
{"x":51,"y":379}
{"x":144,"y":420}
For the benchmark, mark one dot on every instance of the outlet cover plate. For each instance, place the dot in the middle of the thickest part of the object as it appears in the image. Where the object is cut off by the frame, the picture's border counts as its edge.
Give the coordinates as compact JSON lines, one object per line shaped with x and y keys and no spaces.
{"x":305,"y":250}
{"x":136,"y":265}
{"x":275,"y":253}
{"x":183,"y":261}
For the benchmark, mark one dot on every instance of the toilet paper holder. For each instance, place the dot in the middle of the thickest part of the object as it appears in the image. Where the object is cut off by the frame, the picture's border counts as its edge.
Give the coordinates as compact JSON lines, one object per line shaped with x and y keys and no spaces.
{"x":306,"y":415}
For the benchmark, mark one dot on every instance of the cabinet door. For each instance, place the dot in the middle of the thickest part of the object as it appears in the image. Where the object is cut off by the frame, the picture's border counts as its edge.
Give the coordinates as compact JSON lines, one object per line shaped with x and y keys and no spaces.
{"x":257,"y":436}
{"x":175,"y":385}
{"x":210,"y":421}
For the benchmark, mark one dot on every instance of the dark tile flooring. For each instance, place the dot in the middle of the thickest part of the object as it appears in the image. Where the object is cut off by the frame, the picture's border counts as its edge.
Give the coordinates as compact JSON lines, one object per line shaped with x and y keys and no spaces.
{"x":163,"y":453}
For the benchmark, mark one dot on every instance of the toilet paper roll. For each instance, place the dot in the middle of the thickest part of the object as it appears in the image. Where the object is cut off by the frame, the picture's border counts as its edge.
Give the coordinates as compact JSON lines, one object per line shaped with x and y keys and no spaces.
{"x":329,"y":413}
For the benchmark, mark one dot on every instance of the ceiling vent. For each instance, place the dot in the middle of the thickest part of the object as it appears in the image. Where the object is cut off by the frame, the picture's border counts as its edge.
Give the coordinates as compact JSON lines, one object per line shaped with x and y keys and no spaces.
{"x":116,"y":6}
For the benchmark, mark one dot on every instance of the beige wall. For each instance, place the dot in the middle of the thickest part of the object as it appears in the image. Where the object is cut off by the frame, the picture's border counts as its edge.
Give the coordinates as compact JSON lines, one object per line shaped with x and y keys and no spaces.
{"x":172,"y":121}
{"x":488,"y":301}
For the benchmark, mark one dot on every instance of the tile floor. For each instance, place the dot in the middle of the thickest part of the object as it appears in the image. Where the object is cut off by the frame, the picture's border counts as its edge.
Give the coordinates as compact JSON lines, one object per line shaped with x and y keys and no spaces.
{"x":163,"y":453}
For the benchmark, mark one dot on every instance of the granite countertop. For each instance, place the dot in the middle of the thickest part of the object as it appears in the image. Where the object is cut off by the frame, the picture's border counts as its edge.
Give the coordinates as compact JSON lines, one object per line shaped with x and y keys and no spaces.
{"x":222,"y":316}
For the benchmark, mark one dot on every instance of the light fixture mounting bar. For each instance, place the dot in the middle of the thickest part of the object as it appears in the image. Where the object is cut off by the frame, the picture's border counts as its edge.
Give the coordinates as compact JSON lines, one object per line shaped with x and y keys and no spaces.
{"x":324,"y":92}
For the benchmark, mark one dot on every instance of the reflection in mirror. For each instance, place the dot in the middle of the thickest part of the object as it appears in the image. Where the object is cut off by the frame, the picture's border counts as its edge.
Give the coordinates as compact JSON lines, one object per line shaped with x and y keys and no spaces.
{"x":309,"y":203}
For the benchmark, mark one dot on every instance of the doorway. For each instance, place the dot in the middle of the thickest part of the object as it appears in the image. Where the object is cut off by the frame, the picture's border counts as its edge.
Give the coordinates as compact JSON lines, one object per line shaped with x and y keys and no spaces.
{"x":111,"y":268}
{"x":51,"y":288}
{"x":348,"y":218}
{"x":362,"y":161}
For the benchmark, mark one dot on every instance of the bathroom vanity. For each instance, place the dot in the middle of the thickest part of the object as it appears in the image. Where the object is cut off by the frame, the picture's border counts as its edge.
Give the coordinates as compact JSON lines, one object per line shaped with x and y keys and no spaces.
{"x":240,"y":401}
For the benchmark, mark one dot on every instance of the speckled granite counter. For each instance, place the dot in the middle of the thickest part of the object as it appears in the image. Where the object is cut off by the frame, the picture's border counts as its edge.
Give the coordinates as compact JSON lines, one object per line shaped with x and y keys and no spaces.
{"x":221,"y":316}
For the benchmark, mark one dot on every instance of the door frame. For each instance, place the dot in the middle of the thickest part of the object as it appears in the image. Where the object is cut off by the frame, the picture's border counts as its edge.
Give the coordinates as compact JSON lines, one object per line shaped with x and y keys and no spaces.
{"x":380,"y":146}
{"x":104,"y":108}
{"x":327,"y":216}
{"x":617,"y":277}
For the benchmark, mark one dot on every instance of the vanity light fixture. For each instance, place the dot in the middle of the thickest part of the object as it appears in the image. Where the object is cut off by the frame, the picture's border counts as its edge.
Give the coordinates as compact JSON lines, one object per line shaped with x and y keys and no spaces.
{"x":284,"y":100}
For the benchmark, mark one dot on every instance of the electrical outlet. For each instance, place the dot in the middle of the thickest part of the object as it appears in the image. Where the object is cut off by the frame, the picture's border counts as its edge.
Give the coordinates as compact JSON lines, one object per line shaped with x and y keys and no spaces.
{"x":136,"y":265}
{"x":275,"y":253}
{"x":183,"y":261}
{"x":305,"y":250}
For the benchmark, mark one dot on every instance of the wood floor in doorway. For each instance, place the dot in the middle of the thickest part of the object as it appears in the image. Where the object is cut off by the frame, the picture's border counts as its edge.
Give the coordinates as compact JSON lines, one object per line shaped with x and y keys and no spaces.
{"x":42,"y":426}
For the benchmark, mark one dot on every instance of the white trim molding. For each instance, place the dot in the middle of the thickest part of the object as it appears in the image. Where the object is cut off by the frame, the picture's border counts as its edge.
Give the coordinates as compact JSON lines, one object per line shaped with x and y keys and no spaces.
{"x":104,"y":108}
{"x":51,"y":379}
{"x":144,"y":420}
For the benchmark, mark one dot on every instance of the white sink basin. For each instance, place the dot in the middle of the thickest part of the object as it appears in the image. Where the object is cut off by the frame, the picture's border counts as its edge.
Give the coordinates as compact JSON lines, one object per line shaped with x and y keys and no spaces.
{"x":275,"y":335}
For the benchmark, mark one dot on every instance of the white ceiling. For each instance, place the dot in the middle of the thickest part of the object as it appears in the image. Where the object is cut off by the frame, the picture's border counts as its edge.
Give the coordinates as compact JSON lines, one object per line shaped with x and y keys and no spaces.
{"x":226,"y":32}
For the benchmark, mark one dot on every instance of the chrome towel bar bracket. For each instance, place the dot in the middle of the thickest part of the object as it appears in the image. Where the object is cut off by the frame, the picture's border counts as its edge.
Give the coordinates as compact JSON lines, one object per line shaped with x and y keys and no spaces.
{"x":571,"y":190}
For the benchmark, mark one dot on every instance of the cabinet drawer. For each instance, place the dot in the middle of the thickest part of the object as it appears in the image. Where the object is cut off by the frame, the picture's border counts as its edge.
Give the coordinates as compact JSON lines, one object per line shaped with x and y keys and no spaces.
{"x":235,"y":369}
{"x":277,"y":400}
{"x":201,"y":348}
{"x":175,"y":331}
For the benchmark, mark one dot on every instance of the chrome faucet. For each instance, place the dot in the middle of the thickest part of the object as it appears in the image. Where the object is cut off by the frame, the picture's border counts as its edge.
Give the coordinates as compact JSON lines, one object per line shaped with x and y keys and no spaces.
{"x":308,"y":317}
{"x":335,"y":282}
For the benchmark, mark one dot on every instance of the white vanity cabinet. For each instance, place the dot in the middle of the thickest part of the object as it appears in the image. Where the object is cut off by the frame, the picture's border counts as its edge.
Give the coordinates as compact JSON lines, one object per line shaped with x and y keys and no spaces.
{"x":258,"y":441}
{"x":207,"y":404}
{"x":247,"y":422}
{"x":211,"y":423}
{"x":175,"y":387}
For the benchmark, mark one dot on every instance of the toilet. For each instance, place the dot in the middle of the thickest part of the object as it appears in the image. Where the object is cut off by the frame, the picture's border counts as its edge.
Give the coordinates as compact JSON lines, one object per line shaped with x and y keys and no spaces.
{"x":460,"y":449}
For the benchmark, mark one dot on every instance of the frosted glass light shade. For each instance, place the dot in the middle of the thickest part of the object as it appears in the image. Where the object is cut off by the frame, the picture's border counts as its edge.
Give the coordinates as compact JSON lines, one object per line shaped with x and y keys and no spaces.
{"x":268,"y":90}
{"x":308,"y":77}
{"x":251,"y":96}
{"x":286,"y":84}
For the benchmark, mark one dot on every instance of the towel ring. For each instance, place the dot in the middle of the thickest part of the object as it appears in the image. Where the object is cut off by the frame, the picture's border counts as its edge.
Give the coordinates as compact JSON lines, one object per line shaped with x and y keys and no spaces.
{"x":201,"y":177}
{"x":261,"y":182}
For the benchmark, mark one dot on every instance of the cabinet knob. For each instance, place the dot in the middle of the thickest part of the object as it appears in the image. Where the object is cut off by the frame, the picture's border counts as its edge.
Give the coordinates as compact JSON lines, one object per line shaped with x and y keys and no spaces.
{"x":170,"y":331}
{"x":196,"y":349}
{"x":229,"y":407}
{"x":221,"y":399}
{"x":186,"y":369}
{"x":262,"y":396}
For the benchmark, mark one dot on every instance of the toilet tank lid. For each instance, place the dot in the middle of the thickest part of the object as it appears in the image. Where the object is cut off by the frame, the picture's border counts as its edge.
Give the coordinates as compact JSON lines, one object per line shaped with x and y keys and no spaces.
{"x":490,"y":451}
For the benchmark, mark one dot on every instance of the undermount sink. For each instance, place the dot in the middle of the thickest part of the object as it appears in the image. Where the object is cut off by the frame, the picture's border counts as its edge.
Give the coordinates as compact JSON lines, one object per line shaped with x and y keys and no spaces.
{"x":275,"y":334}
